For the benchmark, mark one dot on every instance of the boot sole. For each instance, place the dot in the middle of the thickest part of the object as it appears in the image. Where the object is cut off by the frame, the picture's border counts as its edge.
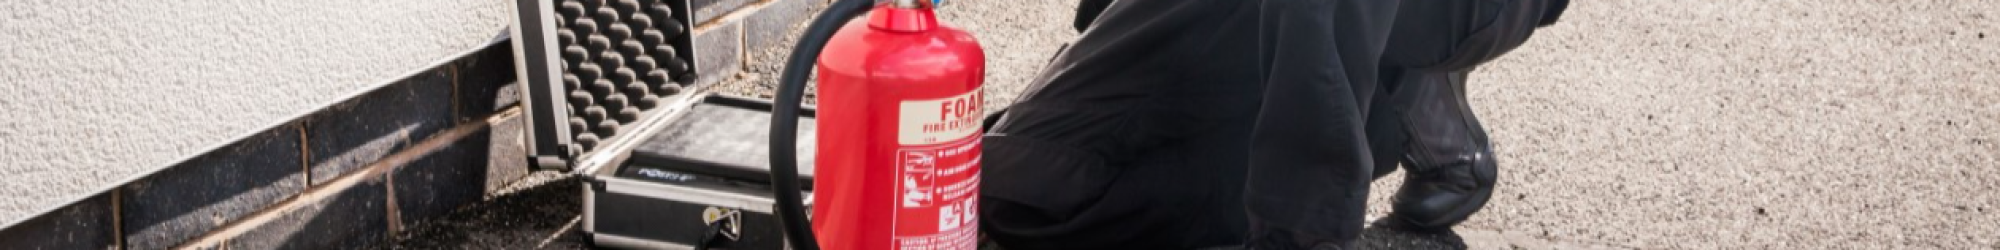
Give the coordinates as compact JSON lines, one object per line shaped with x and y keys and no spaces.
{"x":1486,"y":176}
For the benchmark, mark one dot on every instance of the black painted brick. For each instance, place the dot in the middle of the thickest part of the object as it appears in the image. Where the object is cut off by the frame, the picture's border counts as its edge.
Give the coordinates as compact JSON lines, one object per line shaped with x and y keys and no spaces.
{"x":708,"y":10}
{"x":354,"y":218}
{"x":82,"y":225}
{"x":485,"y":83}
{"x":363,"y":130}
{"x":718,"y":52}
{"x":773,"y":23}
{"x":441,"y":180}
{"x":193,"y":197}
{"x":506,"y":159}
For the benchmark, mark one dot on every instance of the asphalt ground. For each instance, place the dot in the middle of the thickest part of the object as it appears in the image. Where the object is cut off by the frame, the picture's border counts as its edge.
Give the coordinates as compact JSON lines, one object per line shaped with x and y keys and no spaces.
{"x":1679,"y":124}
{"x":96,"y":92}
{"x":1762,"y":124}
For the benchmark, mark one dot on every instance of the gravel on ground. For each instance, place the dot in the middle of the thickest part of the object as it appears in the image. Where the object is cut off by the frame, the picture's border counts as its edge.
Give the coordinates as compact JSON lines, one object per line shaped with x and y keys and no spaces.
{"x":1759,"y":124}
{"x":540,"y":211}
{"x":1019,"y":38}
{"x":96,"y":92}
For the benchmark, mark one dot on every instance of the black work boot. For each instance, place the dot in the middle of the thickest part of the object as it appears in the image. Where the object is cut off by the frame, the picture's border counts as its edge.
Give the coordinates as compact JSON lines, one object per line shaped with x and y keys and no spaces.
{"x":1441,"y":196}
{"x":1451,"y":167}
{"x":1451,"y":164}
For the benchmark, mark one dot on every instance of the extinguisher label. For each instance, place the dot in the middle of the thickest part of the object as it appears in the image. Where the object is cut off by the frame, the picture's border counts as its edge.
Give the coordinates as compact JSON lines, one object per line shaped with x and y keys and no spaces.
{"x":938,"y":204}
{"x":940,"y":120}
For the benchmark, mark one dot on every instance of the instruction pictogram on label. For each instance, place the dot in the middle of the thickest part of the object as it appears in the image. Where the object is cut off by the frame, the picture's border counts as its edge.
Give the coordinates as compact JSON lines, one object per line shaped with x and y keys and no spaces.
{"x":938,"y":174}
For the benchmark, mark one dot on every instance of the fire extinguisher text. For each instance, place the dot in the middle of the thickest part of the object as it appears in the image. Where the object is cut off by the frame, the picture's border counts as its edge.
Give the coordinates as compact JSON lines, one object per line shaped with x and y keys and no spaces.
{"x":941,"y":120}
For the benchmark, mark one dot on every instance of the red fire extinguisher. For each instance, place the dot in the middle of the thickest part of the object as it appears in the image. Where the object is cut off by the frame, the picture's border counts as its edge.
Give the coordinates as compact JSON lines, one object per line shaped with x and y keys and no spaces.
{"x":899,"y":130}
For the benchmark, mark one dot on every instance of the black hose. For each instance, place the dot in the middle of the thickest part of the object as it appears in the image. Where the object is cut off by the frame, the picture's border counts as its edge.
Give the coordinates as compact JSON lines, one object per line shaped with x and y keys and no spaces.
{"x":785,"y":118}
{"x":710,"y":236}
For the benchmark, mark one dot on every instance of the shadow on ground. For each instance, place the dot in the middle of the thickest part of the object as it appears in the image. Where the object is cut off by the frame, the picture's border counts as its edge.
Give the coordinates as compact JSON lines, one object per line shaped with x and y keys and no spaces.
{"x":1382,"y":236}
{"x":541,"y":216}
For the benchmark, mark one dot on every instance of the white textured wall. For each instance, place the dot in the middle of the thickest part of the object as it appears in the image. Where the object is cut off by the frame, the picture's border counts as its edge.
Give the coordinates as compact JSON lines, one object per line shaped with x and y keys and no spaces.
{"x":95,"y":92}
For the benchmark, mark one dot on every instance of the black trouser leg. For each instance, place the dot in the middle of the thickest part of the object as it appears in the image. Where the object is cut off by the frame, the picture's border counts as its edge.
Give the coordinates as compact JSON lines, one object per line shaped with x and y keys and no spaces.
{"x":1388,"y":135}
{"x":1087,"y":11}
{"x":1135,"y":137}
{"x":1310,"y":161}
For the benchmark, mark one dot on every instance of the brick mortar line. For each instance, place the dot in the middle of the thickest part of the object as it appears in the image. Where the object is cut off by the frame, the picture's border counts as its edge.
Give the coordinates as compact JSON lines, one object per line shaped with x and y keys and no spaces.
{"x":117,"y":219}
{"x":319,"y":193}
{"x":456,"y":106}
{"x":305,"y":155}
{"x":390,"y":209}
{"x":733,"y":16}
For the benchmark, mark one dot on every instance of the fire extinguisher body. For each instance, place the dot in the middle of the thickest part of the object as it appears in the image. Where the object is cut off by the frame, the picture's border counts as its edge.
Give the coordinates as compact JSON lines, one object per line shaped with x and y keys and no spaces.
{"x":898,"y":132}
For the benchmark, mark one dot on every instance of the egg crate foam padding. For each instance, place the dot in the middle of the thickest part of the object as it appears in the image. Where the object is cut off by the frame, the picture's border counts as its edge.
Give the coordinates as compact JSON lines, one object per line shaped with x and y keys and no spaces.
{"x":618,"y":61}
{"x":595,"y":71}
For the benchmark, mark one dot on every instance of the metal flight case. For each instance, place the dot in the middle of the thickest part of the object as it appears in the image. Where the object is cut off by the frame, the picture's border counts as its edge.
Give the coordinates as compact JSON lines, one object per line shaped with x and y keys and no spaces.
{"x":609,"y":94}
{"x":702,"y":180}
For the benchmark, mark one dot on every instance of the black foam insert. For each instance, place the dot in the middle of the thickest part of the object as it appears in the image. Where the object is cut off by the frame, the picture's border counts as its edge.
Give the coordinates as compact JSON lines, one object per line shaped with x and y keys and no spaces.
{"x":725,"y":137}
